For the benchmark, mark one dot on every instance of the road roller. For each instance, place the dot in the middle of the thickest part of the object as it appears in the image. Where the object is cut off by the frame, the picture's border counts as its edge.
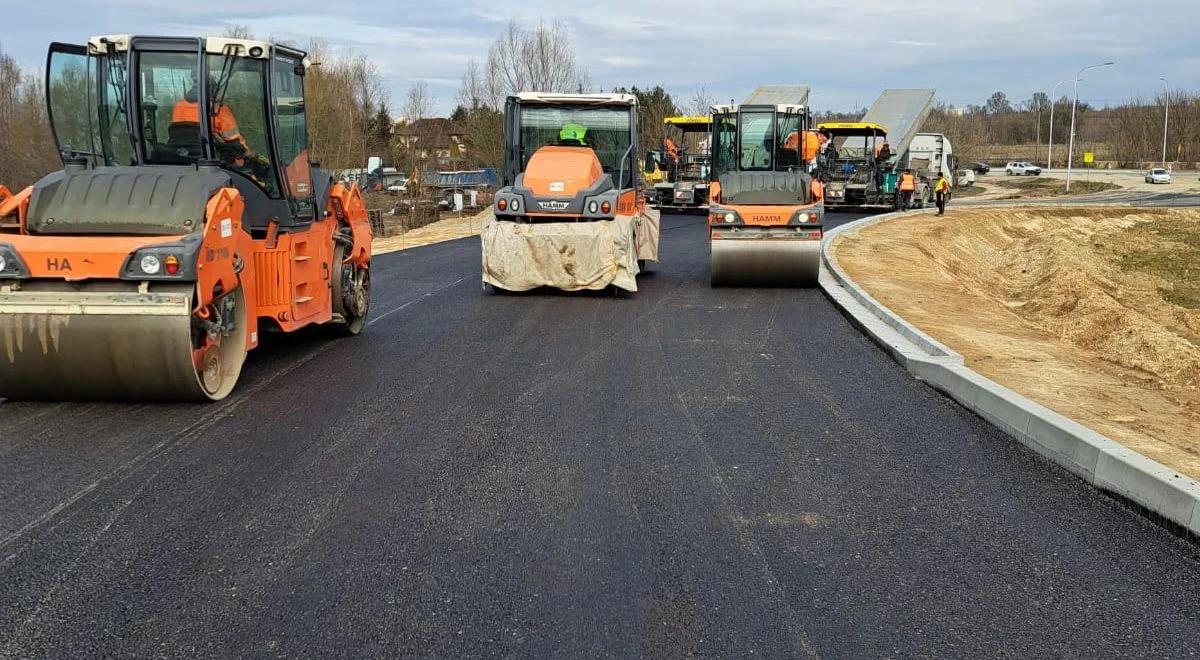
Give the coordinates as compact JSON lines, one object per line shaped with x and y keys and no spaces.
{"x":571,"y":214}
{"x":766,"y":212}
{"x":187,"y":219}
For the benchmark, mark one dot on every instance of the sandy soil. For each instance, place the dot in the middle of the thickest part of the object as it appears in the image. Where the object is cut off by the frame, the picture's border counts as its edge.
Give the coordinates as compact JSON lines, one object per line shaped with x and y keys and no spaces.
{"x":1094,"y":313}
{"x":1003,"y":187}
{"x":437,"y":232}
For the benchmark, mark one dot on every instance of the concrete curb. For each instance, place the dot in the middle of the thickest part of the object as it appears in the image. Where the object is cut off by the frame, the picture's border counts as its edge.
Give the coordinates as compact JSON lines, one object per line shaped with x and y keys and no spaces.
{"x":1096,"y":459}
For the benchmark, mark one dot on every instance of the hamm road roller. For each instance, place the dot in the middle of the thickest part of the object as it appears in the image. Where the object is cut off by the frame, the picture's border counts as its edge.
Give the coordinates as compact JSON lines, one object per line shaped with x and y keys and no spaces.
{"x":187,"y":219}
{"x":571,"y":214}
{"x":766,"y":213}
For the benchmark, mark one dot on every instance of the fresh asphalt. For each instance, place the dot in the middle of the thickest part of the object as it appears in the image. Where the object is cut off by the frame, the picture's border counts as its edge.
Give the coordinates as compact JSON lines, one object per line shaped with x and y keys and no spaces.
{"x":681,"y":471}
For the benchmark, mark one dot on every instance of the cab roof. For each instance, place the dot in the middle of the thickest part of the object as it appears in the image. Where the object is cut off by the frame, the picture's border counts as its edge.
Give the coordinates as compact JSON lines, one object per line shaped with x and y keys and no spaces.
{"x":853,"y":128}
{"x":789,"y":108}
{"x":251,"y":48}
{"x":690,"y":124}
{"x":556,"y":98}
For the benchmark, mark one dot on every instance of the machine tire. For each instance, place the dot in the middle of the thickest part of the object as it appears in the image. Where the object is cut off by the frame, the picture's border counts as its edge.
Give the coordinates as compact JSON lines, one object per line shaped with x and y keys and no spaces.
{"x":354,"y":314}
{"x":221,"y":371}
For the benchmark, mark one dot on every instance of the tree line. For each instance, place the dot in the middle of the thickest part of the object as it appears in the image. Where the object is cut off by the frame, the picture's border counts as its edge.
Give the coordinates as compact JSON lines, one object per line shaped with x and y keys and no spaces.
{"x":1128,"y":135}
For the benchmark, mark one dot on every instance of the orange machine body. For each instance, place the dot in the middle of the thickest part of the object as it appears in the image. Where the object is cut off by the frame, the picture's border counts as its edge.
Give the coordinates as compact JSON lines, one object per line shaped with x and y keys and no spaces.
{"x":764,"y":215}
{"x":562,"y":171}
{"x":285,"y":278}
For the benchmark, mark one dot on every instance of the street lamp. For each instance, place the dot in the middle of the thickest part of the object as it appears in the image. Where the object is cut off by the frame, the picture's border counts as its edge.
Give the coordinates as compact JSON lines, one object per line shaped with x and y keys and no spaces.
{"x":1050,"y":144}
{"x":1074,"y":103}
{"x":1166,"y":117}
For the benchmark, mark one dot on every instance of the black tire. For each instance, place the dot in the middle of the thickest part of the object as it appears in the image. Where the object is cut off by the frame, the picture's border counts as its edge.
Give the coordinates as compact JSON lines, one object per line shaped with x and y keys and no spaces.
{"x":352,"y":305}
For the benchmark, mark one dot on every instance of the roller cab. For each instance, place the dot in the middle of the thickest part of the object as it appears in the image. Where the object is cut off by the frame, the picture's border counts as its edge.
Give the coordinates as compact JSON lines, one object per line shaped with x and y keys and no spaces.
{"x":767,"y":215}
{"x":186,"y":221}
{"x":571,"y":215}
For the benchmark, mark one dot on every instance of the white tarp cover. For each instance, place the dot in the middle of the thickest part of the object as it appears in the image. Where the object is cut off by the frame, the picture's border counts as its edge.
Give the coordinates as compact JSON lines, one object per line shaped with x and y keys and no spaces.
{"x":571,"y":256}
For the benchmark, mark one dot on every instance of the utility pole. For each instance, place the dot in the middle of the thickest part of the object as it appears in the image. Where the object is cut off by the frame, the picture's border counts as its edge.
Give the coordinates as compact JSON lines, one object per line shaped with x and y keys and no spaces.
{"x":1166,"y":117}
{"x":1074,"y":105}
{"x":1053,"y":102}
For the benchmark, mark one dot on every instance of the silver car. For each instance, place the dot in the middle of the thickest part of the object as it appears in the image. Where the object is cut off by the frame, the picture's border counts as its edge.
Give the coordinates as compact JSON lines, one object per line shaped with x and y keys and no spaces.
{"x":1158,"y":175}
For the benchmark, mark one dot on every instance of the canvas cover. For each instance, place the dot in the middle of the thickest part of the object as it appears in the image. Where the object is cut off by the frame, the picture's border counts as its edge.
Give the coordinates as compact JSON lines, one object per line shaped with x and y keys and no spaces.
{"x":571,"y":256}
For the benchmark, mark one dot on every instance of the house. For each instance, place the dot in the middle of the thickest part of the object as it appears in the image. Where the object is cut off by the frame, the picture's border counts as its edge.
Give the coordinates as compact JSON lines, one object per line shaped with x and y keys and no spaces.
{"x":436,"y":138}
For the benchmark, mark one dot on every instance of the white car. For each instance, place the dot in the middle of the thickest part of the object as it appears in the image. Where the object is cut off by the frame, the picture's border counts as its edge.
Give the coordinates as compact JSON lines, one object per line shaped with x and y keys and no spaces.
{"x":1158,"y":175}
{"x":965,"y":178}
{"x":1022,"y":168}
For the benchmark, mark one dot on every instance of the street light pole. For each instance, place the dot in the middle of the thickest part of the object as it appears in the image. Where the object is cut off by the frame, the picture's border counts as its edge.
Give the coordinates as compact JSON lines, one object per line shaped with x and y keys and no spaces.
{"x":1050,"y":144}
{"x":1074,"y":104}
{"x":1166,"y":117}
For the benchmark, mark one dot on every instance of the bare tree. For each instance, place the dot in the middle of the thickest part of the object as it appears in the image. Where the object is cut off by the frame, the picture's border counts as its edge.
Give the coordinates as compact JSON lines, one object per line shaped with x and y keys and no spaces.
{"x":418,"y":103}
{"x":702,"y":102}
{"x":237,"y":31}
{"x":27,"y":150}
{"x":538,"y":59}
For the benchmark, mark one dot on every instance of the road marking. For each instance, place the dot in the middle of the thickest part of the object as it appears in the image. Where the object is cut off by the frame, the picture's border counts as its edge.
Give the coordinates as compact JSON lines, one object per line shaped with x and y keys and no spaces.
{"x":415,"y":301}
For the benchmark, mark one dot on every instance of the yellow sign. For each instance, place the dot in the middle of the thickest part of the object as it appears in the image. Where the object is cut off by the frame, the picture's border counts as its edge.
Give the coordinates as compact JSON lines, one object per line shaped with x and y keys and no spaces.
{"x":1089,"y":157}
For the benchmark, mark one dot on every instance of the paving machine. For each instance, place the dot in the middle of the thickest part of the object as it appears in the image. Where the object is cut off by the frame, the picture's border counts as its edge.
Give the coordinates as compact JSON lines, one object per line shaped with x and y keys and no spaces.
{"x":766,"y":215}
{"x":856,"y":167}
{"x":187,"y":219}
{"x":685,"y":184}
{"x":571,"y":214}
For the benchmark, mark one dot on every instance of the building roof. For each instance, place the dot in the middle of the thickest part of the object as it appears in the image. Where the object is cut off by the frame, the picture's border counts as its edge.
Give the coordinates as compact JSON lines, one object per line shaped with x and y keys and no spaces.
{"x":431,"y":127}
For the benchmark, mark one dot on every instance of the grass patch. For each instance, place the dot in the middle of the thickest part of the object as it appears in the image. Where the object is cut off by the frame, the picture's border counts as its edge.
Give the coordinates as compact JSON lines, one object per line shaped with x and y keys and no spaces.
{"x":1175,"y":258}
{"x":968,"y":191}
{"x":1026,"y":187}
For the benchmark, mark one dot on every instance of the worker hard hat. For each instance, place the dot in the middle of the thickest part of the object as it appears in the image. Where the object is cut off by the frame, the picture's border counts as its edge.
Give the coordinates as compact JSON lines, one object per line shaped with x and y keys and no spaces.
{"x":573,"y":134}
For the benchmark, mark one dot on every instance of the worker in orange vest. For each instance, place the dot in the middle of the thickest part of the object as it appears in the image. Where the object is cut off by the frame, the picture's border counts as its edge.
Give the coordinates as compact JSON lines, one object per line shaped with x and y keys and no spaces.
{"x":231,"y":146}
{"x":813,"y":142}
{"x":908,"y":186}
{"x":942,"y":190}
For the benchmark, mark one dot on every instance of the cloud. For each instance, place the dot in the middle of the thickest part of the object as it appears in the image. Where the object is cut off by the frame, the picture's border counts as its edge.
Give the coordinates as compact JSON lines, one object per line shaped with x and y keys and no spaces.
{"x":966,"y":50}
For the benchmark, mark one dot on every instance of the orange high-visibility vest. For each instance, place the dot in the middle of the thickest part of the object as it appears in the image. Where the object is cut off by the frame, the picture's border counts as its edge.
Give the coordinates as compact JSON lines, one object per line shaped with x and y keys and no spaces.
{"x":224,"y":125}
{"x":908,"y":183}
{"x":672,"y":150}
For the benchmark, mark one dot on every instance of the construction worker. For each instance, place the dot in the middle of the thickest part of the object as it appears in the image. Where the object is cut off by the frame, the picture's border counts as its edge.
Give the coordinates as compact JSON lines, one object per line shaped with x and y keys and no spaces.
{"x":231,"y":146}
{"x":672,"y":151}
{"x":942,"y":190}
{"x":883,"y":151}
{"x":908,"y":186}
{"x":573,"y":134}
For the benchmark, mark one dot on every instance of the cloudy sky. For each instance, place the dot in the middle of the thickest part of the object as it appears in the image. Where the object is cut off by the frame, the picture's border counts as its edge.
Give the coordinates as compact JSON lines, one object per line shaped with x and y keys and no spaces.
{"x":966,"y":49}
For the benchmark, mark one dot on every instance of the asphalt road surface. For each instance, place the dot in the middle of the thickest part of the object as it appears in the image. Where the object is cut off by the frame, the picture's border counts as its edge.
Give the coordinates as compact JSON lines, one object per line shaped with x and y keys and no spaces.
{"x":684,"y":471}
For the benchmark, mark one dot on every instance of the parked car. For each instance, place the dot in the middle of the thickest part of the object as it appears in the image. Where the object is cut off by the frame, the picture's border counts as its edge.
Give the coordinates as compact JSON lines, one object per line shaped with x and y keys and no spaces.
{"x":1022,"y":168}
{"x":965,"y":178}
{"x":1158,"y":175}
{"x":980,"y":168}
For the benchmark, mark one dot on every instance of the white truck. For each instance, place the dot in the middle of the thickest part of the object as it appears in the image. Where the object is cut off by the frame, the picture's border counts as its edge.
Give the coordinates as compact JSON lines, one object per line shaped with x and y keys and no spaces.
{"x":929,"y":156}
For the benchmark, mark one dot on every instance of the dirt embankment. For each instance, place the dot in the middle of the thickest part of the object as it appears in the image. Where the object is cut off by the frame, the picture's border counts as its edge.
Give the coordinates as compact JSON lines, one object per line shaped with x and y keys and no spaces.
{"x":1095,"y":313}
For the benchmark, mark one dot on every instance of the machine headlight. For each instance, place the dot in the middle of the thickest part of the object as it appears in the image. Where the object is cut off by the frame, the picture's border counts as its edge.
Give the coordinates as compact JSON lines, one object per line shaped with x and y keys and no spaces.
{"x":730,"y":217}
{"x":3,"y":263}
{"x":516,"y":204}
{"x":593,"y":207}
{"x":150,"y":264}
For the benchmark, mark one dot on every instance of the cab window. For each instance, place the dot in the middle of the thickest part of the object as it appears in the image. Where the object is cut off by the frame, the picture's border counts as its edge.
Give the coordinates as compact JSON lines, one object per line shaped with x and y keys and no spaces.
{"x":724,"y":145}
{"x":69,"y":79}
{"x":169,"y":107}
{"x":291,"y":138}
{"x":238,"y":116}
{"x":757,"y":141}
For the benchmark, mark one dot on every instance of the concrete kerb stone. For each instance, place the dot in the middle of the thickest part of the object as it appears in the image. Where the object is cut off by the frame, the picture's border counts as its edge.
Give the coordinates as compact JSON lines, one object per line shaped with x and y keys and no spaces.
{"x":1099,"y":460}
